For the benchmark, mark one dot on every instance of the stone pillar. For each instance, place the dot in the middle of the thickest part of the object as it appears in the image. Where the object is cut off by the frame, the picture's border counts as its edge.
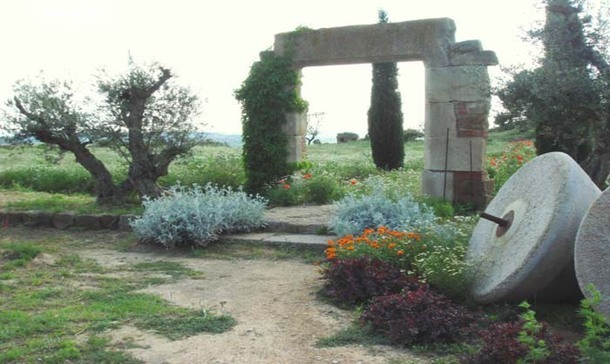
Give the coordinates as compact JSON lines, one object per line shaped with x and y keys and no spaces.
{"x":296,"y":130}
{"x":457,"y":106}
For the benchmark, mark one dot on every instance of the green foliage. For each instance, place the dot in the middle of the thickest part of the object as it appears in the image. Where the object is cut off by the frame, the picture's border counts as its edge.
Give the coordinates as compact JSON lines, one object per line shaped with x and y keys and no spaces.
{"x":306,"y":188}
{"x":49,"y":179}
{"x":442,"y":264}
{"x":537,"y":349}
{"x":266,"y":96}
{"x":381,"y":207}
{"x":595,"y":345}
{"x":515,"y":154}
{"x":566,"y":97}
{"x":219,"y":169}
{"x":196,"y":216}
{"x":385,"y":115}
{"x":410,"y":135}
{"x":18,"y":254}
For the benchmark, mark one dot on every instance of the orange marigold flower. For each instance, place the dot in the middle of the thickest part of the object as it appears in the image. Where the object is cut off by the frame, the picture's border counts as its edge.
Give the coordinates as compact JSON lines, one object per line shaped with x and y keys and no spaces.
{"x":353,"y":181}
{"x":331,"y":253}
{"x":382,"y":230}
{"x":374,"y":245}
{"x":351,"y":247}
{"x":400,"y":252}
{"x":368,"y":231}
{"x":391,"y":245}
{"x":307,"y":176}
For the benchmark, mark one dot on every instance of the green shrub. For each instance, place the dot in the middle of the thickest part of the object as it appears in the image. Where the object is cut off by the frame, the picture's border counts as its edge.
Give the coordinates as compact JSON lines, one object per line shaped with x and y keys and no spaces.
{"x":197,"y":215}
{"x":514,"y":155}
{"x":443,"y":264}
{"x":523,"y":341}
{"x":380,"y":208}
{"x":595,"y":345}
{"x":410,"y":135}
{"x":49,"y":179}
{"x":286,"y":192}
{"x":219,"y":170}
{"x":321,"y":189}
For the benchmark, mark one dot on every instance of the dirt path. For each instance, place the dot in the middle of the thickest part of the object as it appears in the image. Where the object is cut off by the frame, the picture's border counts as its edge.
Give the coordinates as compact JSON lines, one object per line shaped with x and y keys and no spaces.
{"x":279,"y":318}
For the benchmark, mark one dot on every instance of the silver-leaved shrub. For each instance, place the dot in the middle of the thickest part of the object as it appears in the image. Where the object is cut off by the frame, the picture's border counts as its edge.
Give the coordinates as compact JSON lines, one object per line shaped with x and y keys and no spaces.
{"x":380,"y":207}
{"x":198,"y":215}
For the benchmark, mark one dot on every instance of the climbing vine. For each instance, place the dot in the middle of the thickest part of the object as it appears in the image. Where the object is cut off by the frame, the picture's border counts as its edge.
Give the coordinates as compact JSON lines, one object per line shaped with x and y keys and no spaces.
{"x":266,"y":96}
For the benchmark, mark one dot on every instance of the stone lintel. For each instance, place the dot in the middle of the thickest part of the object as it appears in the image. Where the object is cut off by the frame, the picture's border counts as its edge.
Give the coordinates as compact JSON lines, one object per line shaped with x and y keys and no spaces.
{"x":424,"y":40}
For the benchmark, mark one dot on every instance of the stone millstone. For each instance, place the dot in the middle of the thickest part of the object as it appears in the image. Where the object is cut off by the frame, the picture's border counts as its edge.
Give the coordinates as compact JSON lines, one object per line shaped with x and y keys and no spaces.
{"x":546,"y":200}
{"x":592,"y":251}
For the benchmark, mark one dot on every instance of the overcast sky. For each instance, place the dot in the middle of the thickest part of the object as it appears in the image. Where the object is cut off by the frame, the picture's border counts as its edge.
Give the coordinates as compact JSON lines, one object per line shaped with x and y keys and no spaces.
{"x":211,"y":45}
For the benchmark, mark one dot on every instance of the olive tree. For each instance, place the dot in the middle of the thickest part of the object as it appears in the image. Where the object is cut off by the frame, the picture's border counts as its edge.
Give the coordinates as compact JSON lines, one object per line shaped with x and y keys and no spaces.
{"x":143,"y":114}
{"x":567,"y":98}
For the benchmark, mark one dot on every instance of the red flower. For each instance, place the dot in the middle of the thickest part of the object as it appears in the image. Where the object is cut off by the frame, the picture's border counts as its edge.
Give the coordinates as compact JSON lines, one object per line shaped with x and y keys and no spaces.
{"x":286,"y":186}
{"x":353,"y":181}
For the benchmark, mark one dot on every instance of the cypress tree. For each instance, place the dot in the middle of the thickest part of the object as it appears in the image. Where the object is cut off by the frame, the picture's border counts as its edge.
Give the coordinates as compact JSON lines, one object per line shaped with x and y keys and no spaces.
{"x":385,"y":114}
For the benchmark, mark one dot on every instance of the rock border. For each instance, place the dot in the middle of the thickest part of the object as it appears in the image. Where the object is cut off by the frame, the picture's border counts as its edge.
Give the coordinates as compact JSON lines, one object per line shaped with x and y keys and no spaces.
{"x":66,"y":220}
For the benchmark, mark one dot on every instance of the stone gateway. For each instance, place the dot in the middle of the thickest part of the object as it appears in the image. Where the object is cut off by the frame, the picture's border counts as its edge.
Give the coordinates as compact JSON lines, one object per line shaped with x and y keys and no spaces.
{"x":457,"y":94}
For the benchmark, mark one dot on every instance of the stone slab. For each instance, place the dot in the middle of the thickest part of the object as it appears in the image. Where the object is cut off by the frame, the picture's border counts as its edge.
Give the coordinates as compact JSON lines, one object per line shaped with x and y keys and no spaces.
{"x":317,"y":242}
{"x":592,"y":251}
{"x":424,"y":40}
{"x":548,"y":198}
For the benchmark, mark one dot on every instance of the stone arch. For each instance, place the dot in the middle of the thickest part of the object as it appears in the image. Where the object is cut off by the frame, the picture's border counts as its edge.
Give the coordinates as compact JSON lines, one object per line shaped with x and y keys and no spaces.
{"x":457,"y":93}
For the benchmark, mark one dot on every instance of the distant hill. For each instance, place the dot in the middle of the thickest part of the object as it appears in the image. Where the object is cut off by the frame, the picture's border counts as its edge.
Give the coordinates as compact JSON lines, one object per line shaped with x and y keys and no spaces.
{"x":232,"y":140}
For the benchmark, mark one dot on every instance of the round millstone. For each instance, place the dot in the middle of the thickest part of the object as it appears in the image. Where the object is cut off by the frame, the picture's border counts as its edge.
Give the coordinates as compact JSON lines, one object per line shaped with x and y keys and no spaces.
{"x":544,"y":202}
{"x":592,"y":251}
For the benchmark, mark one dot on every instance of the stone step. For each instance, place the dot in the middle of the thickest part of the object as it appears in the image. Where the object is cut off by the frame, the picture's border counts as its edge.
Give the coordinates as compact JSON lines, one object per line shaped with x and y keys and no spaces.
{"x":308,"y":241}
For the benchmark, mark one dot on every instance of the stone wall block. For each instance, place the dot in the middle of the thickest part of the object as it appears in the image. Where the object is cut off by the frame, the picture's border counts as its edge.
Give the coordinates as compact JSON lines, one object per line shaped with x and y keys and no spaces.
{"x":109,"y":222}
{"x":124,"y":222}
{"x":296,"y":124}
{"x":296,"y":148}
{"x":87,"y":222}
{"x":63,"y":220}
{"x":487,"y":58}
{"x":471,"y":118}
{"x":38,"y":219}
{"x":457,"y":83}
{"x":438,"y":184}
{"x":463,"y":154}
{"x":466,"y":46}
{"x":472,"y":188}
{"x":440,"y":116}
